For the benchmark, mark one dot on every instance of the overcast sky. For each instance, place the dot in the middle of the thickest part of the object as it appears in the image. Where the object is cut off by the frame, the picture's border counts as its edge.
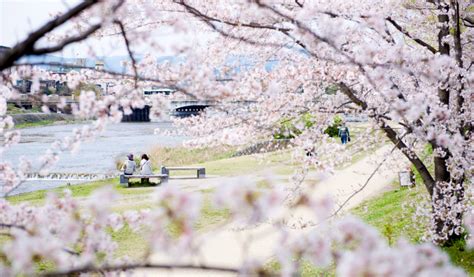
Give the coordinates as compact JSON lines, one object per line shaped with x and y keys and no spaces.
{"x":20,"y":17}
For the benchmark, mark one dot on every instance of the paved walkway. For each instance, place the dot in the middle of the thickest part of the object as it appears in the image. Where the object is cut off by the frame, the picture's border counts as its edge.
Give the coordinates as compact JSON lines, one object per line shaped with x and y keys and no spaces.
{"x":225,"y":247}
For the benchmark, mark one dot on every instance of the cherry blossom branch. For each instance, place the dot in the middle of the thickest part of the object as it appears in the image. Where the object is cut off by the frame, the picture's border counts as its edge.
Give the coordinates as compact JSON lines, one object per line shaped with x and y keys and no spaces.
{"x":286,"y":32}
{"x":306,"y":28}
{"x":125,"y":267}
{"x":406,"y":33}
{"x":14,"y":226}
{"x":411,"y":155}
{"x":350,"y":60}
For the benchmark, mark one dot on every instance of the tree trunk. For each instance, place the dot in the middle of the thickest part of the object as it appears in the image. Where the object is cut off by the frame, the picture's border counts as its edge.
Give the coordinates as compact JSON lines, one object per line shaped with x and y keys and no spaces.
{"x":448,"y":194}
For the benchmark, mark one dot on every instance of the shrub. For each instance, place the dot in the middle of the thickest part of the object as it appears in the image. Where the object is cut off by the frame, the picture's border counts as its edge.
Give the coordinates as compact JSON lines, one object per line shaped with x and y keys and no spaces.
{"x":288,"y":129}
{"x":333,"y":130}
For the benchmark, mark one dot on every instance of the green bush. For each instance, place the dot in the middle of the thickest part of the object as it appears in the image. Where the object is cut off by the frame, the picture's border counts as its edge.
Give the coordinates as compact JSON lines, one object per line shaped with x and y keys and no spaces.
{"x":333,"y":130}
{"x":288,"y":130}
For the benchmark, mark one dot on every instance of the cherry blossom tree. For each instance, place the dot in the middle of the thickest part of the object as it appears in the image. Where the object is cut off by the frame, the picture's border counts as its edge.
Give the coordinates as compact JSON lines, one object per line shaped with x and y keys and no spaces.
{"x":404,"y":64}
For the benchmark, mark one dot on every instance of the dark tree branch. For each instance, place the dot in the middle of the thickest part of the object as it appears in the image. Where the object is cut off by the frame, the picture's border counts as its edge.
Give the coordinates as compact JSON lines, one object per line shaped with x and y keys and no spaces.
{"x":457,"y":33}
{"x":125,"y":267}
{"x":303,"y":27}
{"x":458,"y":54}
{"x":470,"y":65}
{"x":393,"y":136}
{"x":129,"y":50}
{"x":468,"y":21}
{"x":417,"y":40}
{"x":67,"y":41}
{"x":349,"y":93}
{"x":246,"y":40}
{"x":10,"y":226}
{"x":27,"y":46}
{"x":411,"y":155}
{"x":206,"y":17}
{"x":209,"y":22}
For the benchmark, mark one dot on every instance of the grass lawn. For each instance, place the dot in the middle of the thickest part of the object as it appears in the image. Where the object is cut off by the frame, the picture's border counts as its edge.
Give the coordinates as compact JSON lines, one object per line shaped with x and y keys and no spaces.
{"x":130,"y":244}
{"x":247,"y":164}
{"x":391,"y":215}
{"x":81,"y":190}
{"x":12,"y":109}
{"x":219,"y":161}
{"x":178,"y":156}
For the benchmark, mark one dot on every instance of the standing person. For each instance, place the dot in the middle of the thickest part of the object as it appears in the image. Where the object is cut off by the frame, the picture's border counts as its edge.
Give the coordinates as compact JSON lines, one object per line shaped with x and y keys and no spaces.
{"x":344,"y":133}
{"x":145,"y":167}
{"x":129,"y":166}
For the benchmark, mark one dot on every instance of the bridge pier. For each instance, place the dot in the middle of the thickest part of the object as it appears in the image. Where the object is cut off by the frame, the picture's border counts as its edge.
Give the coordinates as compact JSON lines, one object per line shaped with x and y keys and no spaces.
{"x":138,"y":115}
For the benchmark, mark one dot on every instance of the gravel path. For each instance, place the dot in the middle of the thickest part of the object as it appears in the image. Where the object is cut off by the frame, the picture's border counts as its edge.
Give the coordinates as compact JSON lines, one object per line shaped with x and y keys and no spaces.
{"x":224,"y":247}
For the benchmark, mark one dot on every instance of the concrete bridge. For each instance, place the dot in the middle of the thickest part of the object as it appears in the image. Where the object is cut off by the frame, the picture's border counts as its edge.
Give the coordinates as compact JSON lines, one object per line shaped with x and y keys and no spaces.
{"x":187,"y":108}
{"x":177,"y":108}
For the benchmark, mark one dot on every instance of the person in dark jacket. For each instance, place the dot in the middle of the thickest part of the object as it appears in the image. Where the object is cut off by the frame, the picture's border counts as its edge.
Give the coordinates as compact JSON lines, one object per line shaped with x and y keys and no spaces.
{"x":344,"y":134}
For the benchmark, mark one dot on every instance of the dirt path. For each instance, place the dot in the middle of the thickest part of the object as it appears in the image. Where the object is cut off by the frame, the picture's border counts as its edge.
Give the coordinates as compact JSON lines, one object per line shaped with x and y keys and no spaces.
{"x":225,"y":247}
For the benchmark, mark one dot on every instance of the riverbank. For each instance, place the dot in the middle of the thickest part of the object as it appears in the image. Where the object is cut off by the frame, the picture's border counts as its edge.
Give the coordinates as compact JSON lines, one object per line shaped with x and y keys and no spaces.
{"x":26,"y":120}
{"x":95,"y":156}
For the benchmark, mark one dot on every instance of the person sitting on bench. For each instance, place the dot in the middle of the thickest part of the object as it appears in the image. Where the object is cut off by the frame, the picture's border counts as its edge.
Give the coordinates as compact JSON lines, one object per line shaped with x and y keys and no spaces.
{"x":145,"y":168}
{"x":129,"y":166}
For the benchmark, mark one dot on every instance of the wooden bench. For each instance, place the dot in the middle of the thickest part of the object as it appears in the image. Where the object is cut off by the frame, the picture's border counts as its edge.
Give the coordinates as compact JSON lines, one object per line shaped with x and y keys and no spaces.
{"x":124,"y":179}
{"x":201,"y":171}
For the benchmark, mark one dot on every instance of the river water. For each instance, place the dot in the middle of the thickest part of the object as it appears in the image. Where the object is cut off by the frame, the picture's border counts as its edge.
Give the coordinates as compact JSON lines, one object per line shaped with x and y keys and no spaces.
{"x":94,"y":157}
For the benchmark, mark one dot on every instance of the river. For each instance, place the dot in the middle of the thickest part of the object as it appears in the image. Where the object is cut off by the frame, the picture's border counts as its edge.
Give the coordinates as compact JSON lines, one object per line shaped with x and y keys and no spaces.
{"x":94,"y":157}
